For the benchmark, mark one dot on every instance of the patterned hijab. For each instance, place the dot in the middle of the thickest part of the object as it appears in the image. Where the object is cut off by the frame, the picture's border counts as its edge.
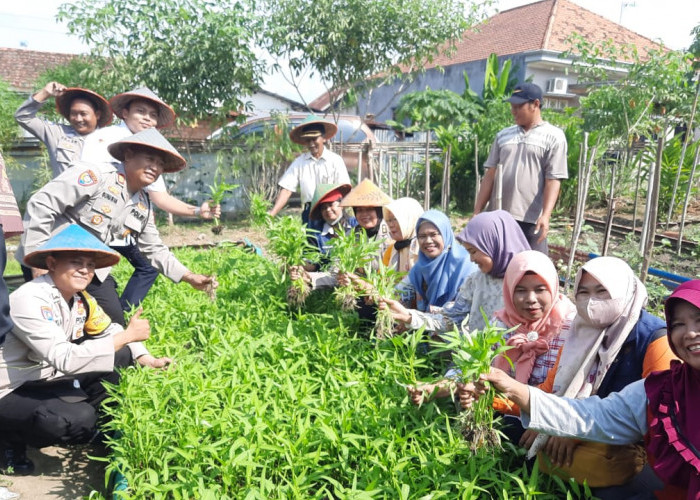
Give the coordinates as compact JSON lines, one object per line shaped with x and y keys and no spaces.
{"x":444,"y":274}
{"x":531,"y":339}
{"x":498,"y":236}
{"x":674,"y":404}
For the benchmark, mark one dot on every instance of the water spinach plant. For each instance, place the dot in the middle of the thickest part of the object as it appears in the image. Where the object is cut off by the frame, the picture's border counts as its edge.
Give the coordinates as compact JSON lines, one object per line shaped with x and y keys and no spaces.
{"x":268,"y":404}
{"x":219,"y":189}
{"x":472,"y":354}
{"x":351,"y":252}
{"x":288,"y":241}
{"x":383,"y":281}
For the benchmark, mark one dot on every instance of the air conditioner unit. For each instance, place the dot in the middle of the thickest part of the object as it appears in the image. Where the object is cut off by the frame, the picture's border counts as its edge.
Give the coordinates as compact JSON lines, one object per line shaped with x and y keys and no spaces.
{"x":557,"y":85}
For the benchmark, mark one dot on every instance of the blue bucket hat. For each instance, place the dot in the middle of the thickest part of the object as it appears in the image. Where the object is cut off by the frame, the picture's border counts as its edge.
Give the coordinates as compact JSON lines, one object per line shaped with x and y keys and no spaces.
{"x":73,"y":239}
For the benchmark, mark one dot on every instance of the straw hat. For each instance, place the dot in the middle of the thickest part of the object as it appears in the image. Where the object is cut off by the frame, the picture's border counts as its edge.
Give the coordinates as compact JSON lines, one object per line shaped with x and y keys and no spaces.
{"x":312,"y":127}
{"x":366,"y":194}
{"x":166,"y":114}
{"x":65,"y":99}
{"x":327,"y":193}
{"x":73,"y":239}
{"x":151,"y":139}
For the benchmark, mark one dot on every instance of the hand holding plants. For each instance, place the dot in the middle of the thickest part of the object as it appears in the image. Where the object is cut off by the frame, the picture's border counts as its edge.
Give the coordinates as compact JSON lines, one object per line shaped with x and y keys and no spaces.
{"x":209,"y":211}
{"x":396,"y":308}
{"x":150,"y":361}
{"x":200,"y":281}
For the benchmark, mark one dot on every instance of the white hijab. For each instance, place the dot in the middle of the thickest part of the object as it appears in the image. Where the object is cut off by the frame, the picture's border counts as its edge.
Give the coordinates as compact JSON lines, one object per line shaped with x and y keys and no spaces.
{"x":592,"y":349}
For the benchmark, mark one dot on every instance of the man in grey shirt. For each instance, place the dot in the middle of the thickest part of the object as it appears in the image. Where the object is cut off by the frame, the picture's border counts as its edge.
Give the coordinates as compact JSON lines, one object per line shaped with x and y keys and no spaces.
{"x":532,"y":155}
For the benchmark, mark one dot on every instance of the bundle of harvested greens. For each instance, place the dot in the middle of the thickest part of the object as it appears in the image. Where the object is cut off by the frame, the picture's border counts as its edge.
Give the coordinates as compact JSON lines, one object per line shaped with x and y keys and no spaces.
{"x":473,"y":353}
{"x":351,"y":252}
{"x":288,"y":242}
{"x":383,"y":282}
{"x":259,"y":207}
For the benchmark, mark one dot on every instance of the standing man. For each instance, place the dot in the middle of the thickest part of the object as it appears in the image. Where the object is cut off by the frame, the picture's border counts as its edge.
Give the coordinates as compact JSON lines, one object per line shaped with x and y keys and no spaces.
{"x":532,"y":155}
{"x":84,"y":109}
{"x":318,"y":166}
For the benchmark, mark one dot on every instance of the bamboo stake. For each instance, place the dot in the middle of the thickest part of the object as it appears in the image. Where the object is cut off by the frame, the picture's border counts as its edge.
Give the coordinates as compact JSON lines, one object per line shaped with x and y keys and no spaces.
{"x":445,"y":191}
{"x":611,"y":211}
{"x":580,"y":207}
{"x":653,"y":213}
{"x":688,"y":189}
{"x":476,"y":168}
{"x":638,"y":184}
{"x":426,"y":197}
{"x":686,"y":140}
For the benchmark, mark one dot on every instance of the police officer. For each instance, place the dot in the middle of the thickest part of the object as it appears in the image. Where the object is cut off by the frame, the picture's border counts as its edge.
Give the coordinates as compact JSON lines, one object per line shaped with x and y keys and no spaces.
{"x":109,"y":201}
{"x":84,"y":109}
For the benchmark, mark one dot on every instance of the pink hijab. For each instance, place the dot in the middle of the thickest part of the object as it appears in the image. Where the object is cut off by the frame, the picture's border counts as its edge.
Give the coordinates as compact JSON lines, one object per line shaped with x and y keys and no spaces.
{"x":531,"y":339}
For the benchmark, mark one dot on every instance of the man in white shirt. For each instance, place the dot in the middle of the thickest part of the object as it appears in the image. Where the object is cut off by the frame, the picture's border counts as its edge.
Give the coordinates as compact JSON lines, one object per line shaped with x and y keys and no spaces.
{"x":318,"y":166}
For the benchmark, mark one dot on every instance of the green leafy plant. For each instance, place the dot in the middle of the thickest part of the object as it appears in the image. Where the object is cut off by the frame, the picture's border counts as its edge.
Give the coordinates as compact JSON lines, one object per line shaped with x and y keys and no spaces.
{"x":219,"y":189}
{"x":472,"y":354}
{"x":383,"y":282}
{"x":288,"y":240}
{"x":259,"y":206}
{"x":350,"y":252}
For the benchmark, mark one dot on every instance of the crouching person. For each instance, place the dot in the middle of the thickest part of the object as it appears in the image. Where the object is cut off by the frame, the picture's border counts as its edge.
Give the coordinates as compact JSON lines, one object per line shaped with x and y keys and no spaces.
{"x":61,"y":349}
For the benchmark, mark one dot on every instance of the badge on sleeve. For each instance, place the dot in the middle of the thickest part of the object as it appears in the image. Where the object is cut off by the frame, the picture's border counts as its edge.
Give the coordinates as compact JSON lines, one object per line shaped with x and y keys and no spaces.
{"x":114,"y":190}
{"x":141,"y":206}
{"x":96,"y":220}
{"x":47,"y":313}
{"x":87,"y":178}
{"x":121,"y":179}
{"x":106,"y":209}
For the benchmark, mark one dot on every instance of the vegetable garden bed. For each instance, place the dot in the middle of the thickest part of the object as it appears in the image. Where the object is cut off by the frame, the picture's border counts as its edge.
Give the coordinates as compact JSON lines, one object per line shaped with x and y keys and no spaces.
{"x":265,"y":403}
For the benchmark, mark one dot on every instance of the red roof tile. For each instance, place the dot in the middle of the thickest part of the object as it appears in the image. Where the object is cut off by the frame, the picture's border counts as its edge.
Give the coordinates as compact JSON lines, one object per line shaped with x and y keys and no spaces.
{"x":541,"y":25}
{"x":20,"y":67}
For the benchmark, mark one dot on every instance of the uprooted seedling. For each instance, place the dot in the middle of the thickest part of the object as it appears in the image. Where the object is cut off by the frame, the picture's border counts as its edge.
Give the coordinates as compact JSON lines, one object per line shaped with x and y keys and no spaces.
{"x":350,"y":252}
{"x":288,"y":241}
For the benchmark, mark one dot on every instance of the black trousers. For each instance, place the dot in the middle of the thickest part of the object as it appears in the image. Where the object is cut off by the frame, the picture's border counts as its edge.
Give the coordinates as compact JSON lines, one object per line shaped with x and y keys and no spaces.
{"x":529,"y":231}
{"x":105,"y":294}
{"x":141,"y":280}
{"x":44,"y":413}
{"x":5,"y":320}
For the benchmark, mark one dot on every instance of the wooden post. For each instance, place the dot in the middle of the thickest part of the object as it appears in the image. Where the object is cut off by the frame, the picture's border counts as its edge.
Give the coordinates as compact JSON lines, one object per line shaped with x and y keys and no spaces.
{"x":445,"y":201}
{"x":611,"y":211}
{"x":654,"y":204}
{"x":408,"y":177}
{"x":638,"y":183}
{"x":426,"y":197}
{"x":476,"y":168}
{"x":688,"y":189}
{"x":582,"y":193}
{"x":686,"y":140}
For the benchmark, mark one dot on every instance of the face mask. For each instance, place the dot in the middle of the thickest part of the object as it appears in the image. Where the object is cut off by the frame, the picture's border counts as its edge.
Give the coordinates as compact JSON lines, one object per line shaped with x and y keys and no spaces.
{"x":599,"y":313}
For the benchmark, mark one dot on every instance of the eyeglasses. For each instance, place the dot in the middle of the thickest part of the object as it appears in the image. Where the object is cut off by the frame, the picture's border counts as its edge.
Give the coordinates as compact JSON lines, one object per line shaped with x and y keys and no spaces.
{"x":327,"y":206}
{"x":433,"y":236}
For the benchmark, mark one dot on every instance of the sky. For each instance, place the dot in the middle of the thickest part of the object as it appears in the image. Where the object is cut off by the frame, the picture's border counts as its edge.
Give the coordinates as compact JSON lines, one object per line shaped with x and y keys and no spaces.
{"x":31,"y":24}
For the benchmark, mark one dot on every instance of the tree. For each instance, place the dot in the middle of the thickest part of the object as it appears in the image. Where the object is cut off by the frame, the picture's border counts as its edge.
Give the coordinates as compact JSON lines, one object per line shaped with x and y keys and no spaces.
{"x":348,"y":43}
{"x":9,"y":130}
{"x":197,"y":55}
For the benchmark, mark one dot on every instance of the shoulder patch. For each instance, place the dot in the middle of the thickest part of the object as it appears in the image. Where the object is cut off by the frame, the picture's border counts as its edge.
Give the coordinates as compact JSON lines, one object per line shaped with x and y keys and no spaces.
{"x":47,"y":313}
{"x":87,"y":178}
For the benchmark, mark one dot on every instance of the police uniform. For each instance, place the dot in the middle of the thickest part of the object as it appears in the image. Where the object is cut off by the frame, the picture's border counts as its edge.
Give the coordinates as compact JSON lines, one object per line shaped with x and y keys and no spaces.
{"x":62,"y":141}
{"x":53,"y":363}
{"x":96,"y":198}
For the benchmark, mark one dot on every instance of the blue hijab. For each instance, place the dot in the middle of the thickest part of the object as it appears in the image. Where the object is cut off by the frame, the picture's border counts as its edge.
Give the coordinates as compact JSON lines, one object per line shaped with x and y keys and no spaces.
{"x":444,"y":274}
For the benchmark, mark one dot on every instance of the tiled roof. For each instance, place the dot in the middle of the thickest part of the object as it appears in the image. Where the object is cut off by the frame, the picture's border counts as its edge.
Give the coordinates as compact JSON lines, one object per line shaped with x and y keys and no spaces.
{"x":543,"y":25}
{"x":20,"y":67}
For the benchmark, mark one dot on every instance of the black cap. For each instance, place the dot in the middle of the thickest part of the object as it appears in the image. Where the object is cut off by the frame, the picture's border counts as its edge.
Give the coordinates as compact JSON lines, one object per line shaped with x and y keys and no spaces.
{"x":525,"y":92}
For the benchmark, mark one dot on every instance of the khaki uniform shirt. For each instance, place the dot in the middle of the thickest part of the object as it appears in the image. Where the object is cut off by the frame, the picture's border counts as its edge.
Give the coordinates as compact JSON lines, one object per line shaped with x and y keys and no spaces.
{"x":41,"y":346}
{"x":62,"y":141}
{"x":96,"y":198}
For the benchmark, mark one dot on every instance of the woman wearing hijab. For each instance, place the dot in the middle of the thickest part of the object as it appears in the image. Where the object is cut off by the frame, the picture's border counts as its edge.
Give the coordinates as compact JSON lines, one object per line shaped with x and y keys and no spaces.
{"x":613,"y":342}
{"x":662,"y":410}
{"x":491,"y":240}
{"x":401,"y":217}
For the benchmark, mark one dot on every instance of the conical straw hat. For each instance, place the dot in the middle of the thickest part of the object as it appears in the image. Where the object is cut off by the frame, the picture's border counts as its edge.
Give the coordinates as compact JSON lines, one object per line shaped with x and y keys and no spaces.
{"x":166,"y":114}
{"x":65,"y":99}
{"x":365,"y":194}
{"x":151,"y":139}
{"x":73,"y":239}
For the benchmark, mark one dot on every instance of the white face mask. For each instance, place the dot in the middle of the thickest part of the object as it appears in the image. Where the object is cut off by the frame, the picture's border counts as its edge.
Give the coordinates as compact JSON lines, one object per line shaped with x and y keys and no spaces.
{"x":599,"y":313}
